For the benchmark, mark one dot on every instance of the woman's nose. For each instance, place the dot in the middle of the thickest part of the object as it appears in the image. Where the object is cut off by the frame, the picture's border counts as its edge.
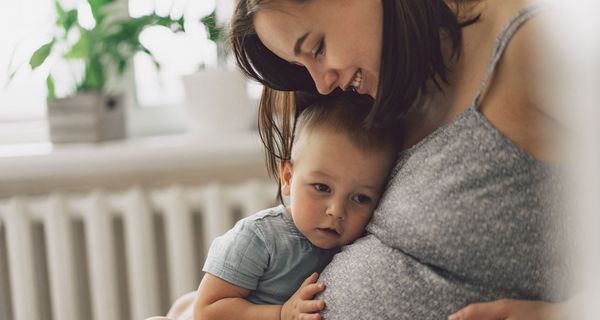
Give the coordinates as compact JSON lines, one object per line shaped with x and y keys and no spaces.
{"x":325,"y":80}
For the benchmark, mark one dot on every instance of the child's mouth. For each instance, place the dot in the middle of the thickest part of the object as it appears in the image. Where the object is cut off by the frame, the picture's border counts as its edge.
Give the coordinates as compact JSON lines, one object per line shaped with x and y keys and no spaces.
{"x":329,"y":231}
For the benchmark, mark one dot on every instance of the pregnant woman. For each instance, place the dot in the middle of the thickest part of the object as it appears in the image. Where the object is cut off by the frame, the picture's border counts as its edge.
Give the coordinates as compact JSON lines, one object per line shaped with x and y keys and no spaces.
{"x":470,"y":213}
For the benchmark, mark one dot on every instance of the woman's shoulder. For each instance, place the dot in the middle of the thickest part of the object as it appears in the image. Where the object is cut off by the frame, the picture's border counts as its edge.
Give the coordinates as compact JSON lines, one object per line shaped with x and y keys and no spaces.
{"x":499,"y":12}
{"x":516,"y":71}
{"x":511,"y":100}
{"x":523,"y":49}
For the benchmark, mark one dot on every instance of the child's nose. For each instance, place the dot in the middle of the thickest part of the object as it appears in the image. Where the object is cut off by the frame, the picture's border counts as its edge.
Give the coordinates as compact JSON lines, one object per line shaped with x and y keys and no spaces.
{"x":336,"y":210}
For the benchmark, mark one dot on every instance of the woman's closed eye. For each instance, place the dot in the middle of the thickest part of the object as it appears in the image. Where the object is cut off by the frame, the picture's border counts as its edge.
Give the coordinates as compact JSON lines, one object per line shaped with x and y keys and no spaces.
{"x":320,"y":49}
{"x":320,"y":187}
{"x":362,"y":199}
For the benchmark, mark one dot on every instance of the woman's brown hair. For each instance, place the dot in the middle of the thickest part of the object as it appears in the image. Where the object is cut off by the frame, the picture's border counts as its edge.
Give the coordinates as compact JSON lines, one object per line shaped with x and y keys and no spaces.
{"x":416,"y":24}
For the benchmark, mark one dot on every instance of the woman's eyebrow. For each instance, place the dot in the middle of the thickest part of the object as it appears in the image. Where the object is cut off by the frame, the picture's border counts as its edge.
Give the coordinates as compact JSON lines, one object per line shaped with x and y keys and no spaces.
{"x":299,"y":42}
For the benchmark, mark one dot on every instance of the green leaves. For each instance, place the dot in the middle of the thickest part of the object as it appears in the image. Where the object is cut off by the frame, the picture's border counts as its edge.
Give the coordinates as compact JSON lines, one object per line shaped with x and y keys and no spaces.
{"x":51,"y":90}
{"x":81,"y":49}
{"x":215,"y":33}
{"x":97,"y":7}
{"x":65,"y":19}
{"x":95,"y":77}
{"x":109,"y":46}
{"x":40,"y":55}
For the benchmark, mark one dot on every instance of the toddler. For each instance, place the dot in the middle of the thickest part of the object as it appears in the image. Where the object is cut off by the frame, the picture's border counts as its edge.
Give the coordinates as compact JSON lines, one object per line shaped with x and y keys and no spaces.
{"x":267,"y":266}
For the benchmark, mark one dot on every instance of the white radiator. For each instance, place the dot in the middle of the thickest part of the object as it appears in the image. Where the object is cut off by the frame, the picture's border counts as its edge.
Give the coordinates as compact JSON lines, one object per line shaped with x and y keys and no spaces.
{"x":113,"y":255}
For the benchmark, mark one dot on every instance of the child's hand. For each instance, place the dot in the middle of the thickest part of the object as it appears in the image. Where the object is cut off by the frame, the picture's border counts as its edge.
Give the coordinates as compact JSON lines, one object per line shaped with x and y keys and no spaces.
{"x":301,"y":306}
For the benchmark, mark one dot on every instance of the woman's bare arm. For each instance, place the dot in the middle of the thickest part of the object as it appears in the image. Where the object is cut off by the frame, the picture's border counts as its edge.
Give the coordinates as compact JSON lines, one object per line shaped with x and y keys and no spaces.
{"x":511,"y":309}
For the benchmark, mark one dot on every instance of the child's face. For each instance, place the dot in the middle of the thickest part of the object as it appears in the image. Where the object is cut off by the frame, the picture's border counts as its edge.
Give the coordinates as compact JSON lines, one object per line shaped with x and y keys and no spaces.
{"x":333,"y":186}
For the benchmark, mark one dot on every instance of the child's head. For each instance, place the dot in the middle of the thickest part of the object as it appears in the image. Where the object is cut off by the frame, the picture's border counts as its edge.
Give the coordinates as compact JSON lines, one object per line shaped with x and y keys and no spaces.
{"x":337,"y":171}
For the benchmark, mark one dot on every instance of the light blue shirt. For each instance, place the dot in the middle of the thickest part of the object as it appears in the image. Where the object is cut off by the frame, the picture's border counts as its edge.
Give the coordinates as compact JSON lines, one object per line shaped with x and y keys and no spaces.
{"x":267,"y":254}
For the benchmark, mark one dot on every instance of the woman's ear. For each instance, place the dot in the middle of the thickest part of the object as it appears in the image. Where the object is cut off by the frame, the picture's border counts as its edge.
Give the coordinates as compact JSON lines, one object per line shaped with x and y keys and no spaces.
{"x":285,"y":177}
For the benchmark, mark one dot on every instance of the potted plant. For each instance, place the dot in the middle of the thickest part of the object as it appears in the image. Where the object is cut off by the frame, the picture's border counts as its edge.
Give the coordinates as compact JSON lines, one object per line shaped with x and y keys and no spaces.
{"x":103,"y":50}
{"x":212,"y":107}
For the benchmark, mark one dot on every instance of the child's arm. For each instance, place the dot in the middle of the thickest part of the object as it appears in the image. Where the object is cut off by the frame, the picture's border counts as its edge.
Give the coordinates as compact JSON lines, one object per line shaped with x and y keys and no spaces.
{"x":219,"y":299}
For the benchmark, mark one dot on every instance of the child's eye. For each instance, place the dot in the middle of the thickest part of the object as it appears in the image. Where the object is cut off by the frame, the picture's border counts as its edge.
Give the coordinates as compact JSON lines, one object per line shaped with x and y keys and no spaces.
{"x":321,"y":187}
{"x":361,"y":198}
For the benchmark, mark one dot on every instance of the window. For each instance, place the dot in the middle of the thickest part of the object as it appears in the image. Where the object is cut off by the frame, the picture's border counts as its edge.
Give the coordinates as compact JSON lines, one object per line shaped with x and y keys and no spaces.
{"x":159,"y":95}
{"x":23,"y":100}
{"x":178,"y":54}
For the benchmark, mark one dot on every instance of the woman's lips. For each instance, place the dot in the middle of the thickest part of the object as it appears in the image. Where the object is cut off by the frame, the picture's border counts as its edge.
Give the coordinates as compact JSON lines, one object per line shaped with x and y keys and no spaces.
{"x":358,"y":83}
{"x":355,"y":82}
{"x":362,"y":88}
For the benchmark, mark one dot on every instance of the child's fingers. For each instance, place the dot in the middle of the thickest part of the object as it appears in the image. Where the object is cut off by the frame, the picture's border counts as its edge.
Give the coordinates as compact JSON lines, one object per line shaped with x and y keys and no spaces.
{"x":311,"y":279}
{"x":310,"y":290}
{"x":310,"y":316}
{"x":311,"y":306}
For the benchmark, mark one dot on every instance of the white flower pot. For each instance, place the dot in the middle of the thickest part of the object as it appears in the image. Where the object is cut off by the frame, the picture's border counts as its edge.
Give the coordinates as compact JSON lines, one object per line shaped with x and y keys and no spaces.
{"x":217,"y":102}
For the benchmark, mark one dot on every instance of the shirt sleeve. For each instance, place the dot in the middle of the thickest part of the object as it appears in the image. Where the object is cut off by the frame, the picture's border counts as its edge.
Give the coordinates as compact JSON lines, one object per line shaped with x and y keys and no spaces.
{"x":239,"y":257}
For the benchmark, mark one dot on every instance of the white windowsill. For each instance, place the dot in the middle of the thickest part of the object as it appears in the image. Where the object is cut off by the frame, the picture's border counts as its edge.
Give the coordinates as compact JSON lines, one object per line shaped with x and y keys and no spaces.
{"x":40,"y":168}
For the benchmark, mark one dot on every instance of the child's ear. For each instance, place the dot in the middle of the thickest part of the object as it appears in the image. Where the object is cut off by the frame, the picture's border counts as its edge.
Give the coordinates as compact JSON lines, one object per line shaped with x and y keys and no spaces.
{"x":285,"y":177}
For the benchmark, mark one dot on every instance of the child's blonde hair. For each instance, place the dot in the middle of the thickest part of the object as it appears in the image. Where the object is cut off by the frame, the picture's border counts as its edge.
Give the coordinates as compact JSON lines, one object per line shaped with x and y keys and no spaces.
{"x":345,"y":113}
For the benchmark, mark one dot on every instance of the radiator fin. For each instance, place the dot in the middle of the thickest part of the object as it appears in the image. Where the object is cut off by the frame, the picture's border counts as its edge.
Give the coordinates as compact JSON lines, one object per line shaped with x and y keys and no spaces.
{"x":113,"y":254}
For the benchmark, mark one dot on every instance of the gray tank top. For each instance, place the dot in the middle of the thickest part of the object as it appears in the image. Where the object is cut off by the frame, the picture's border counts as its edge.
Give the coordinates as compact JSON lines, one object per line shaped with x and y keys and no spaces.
{"x":467,"y":217}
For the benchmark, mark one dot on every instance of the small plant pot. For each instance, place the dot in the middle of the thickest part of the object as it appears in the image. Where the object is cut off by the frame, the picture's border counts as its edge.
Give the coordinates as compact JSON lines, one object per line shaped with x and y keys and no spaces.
{"x":217,"y":102}
{"x":87,"y":117}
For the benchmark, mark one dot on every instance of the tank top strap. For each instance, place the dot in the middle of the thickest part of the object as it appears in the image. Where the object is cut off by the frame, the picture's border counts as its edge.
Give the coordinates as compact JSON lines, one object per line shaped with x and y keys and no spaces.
{"x":502,"y":41}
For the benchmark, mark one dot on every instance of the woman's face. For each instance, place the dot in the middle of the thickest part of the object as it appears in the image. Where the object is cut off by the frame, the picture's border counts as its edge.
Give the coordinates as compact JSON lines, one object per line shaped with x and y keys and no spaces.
{"x":338,"y":41}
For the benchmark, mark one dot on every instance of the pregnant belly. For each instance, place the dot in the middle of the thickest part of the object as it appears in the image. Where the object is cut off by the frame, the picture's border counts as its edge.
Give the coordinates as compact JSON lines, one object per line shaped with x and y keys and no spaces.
{"x":369,"y":280}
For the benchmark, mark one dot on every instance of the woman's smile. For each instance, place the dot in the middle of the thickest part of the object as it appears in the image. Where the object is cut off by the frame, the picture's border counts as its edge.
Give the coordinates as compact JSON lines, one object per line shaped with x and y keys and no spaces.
{"x":354,"y":85}
{"x":334,"y":54}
